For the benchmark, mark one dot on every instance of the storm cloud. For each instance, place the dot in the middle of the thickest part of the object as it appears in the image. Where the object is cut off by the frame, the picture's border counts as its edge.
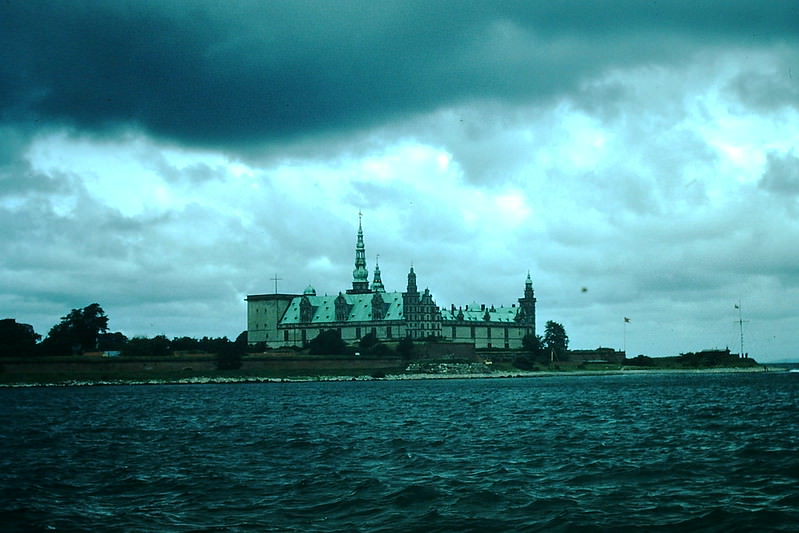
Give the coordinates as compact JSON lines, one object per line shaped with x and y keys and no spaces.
{"x":225,"y":73}
{"x":167,"y":158}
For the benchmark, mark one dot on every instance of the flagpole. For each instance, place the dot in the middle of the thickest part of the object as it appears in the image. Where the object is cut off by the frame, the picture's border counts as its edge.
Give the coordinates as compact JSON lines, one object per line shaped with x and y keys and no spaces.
{"x":741,"y":325}
{"x":625,"y":321}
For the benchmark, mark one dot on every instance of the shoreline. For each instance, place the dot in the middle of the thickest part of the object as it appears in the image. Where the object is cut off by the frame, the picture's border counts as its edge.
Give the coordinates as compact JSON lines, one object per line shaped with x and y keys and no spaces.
{"x":207,"y":380}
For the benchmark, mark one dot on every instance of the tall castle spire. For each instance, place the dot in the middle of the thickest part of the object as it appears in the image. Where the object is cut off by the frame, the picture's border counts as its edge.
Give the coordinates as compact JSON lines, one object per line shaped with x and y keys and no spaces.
{"x":360,"y":276}
{"x":377,"y":284}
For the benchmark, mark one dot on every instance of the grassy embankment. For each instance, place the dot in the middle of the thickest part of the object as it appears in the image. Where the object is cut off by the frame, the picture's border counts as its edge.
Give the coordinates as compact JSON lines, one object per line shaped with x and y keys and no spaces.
{"x":71,"y":369}
{"x":184,"y":367}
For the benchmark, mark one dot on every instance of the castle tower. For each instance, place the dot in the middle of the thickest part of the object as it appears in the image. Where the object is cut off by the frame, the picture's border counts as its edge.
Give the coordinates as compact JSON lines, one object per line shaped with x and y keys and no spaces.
{"x":360,"y":276}
{"x":377,"y":284}
{"x":411,"y":308}
{"x":527,"y":305}
{"x":411,"y":282}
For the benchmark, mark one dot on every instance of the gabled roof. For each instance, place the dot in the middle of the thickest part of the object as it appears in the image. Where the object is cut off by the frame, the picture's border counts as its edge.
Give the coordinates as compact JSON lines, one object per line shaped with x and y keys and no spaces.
{"x":360,"y":308}
{"x":474,"y":313}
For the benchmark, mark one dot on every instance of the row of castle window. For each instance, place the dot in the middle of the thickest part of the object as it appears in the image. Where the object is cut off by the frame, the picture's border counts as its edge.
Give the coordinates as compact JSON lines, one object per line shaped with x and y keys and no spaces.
{"x":304,"y":333}
{"x":389,"y":334}
{"x":473,"y":332}
{"x":372,"y":330}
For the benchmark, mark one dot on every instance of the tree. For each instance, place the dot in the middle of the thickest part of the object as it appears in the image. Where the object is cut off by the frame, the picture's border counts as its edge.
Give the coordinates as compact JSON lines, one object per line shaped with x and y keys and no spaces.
{"x":158,"y":346}
{"x":185,"y":344}
{"x":17,"y":339}
{"x":213,"y":344}
{"x":328,"y":342}
{"x":77,"y":332}
{"x":405,"y":348}
{"x":556,"y":341}
{"x":640,"y":360}
{"x":115,"y":341}
{"x":371,"y":345}
{"x":367,"y":341}
{"x":242,"y":341}
{"x":536,"y":353}
{"x":229,"y":354}
{"x":535,"y":345}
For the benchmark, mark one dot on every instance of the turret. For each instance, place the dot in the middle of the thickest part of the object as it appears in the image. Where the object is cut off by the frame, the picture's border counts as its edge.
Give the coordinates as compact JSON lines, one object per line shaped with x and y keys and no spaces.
{"x":377,"y":284}
{"x":412,"y":282}
{"x":526,"y":314}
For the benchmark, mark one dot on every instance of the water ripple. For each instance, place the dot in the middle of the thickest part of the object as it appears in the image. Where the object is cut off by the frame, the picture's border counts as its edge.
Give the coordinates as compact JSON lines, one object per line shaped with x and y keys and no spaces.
{"x":696,"y":452}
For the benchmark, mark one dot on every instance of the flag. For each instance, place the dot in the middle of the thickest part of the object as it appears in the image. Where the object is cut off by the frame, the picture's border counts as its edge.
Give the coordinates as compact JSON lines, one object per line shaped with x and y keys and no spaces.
{"x":626,"y":320}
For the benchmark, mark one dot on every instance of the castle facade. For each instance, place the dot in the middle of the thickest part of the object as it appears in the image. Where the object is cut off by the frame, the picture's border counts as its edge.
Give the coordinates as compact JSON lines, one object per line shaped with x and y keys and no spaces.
{"x":284,"y":320}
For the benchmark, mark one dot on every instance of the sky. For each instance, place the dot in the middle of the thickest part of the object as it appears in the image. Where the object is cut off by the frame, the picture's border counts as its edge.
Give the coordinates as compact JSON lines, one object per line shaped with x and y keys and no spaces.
{"x":639,"y":159}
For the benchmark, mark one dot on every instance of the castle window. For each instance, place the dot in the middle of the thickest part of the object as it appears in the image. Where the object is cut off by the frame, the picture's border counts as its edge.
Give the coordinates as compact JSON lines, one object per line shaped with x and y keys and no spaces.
{"x":472,"y":331}
{"x":453,"y":332}
{"x":388,"y":332}
{"x":286,"y":335}
{"x":357,"y":333}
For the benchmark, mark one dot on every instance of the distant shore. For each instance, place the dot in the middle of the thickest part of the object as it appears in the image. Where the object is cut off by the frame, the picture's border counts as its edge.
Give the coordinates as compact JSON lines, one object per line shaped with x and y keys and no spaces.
{"x":502,"y":374}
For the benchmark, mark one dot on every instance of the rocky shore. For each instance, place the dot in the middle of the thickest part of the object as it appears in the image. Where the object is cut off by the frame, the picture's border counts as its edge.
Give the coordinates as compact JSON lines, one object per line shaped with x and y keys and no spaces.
{"x":415,"y":371}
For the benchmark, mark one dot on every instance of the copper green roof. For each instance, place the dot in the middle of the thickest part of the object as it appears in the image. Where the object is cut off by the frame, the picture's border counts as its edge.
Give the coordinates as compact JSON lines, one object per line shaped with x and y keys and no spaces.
{"x":475,"y":313}
{"x":359,"y":308}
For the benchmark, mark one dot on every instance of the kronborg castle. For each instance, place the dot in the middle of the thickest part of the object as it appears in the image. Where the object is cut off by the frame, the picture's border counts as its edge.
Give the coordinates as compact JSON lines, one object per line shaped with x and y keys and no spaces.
{"x":282,"y":320}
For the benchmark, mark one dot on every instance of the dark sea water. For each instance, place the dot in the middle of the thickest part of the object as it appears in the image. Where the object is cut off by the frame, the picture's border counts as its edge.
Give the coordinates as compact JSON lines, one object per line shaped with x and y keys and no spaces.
{"x":681,"y":452}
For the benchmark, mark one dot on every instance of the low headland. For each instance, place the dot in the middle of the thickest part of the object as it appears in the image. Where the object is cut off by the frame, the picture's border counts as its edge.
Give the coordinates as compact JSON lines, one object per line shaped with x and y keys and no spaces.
{"x":80,"y":350}
{"x":188,"y":368}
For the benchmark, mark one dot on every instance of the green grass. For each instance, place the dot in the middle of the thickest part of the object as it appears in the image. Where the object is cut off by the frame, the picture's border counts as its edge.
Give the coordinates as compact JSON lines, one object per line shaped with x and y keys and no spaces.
{"x":50,"y":370}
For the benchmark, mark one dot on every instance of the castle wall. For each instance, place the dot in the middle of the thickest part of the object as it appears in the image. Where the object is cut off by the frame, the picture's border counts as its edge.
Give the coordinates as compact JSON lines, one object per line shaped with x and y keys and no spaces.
{"x":264,"y":311}
{"x":486,"y":335}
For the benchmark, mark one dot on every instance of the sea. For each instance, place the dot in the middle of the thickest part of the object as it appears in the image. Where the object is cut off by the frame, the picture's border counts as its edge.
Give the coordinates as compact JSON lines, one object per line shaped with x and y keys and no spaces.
{"x":652,"y":452}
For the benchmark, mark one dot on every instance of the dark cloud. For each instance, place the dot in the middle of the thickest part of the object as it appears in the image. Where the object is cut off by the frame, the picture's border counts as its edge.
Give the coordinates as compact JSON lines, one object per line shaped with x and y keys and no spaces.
{"x":608,"y":145}
{"x":227,"y":73}
{"x":769,"y":87}
{"x":782,"y":175}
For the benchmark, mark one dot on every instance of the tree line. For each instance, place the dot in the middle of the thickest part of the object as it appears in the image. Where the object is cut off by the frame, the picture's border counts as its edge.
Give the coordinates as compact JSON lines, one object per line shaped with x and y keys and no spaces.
{"x":86,"y":330}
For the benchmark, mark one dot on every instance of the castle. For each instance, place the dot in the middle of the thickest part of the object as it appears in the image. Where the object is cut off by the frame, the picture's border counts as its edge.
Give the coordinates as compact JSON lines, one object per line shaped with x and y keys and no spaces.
{"x":284,"y":320}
